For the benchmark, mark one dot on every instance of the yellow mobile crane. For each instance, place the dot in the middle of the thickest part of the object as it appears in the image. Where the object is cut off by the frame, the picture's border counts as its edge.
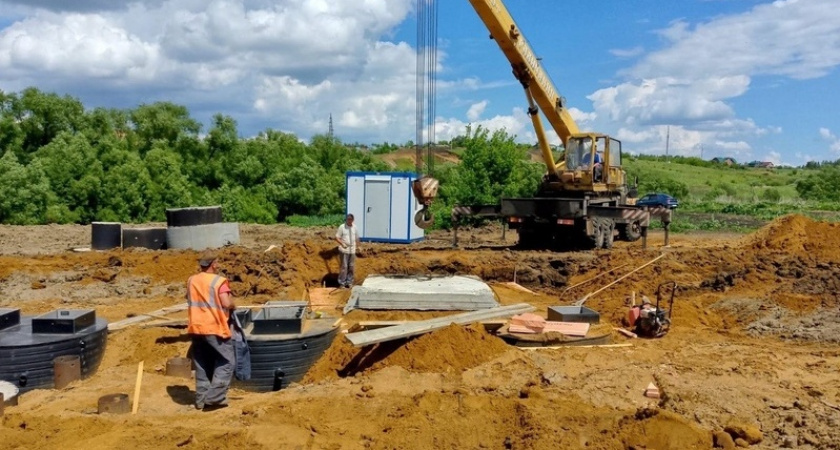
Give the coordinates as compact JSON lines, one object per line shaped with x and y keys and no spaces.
{"x":583,"y":200}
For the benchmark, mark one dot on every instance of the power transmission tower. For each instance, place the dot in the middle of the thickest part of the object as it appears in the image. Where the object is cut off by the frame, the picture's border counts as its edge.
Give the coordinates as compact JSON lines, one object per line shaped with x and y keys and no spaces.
{"x":330,"y":132}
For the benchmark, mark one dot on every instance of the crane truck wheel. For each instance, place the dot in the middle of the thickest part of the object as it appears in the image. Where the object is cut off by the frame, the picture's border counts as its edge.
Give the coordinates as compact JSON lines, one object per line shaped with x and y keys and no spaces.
{"x":598,"y":227}
{"x":630,"y":232}
{"x":424,"y":218}
{"x":608,"y":230}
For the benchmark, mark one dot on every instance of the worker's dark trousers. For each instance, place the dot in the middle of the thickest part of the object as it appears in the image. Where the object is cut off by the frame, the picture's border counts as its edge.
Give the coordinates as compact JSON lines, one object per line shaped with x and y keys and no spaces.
{"x":348,"y":267}
{"x":214,"y":361}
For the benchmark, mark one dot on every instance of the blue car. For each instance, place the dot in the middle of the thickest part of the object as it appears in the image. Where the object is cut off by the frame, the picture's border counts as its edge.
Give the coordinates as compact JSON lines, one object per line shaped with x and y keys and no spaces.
{"x":663,"y":200}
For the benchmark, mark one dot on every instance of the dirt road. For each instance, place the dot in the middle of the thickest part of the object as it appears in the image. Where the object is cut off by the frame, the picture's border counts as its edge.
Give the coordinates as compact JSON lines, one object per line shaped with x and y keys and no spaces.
{"x":754,"y":347}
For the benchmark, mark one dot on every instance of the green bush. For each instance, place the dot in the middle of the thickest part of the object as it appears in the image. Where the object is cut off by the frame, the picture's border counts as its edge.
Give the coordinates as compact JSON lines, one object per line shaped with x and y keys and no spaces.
{"x":771,"y":195}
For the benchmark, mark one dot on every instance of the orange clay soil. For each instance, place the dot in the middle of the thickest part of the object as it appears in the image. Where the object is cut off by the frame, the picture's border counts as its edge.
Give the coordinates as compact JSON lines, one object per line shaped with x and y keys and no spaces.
{"x":751,"y":346}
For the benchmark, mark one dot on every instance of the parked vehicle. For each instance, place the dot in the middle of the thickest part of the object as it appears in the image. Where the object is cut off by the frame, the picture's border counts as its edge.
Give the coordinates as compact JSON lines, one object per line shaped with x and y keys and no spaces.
{"x":663,"y":200}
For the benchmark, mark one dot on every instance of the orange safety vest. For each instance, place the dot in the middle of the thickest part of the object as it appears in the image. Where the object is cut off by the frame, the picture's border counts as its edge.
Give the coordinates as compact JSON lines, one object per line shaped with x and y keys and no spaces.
{"x":207,"y":316}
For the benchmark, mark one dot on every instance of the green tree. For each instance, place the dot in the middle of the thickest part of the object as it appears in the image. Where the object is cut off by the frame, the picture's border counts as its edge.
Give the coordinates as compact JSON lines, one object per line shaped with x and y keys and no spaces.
{"x":25,"y":194}
{"x":161,"y":121}
{"x":169,"y":187}
{"x":75,"y":174}
{"x":492,"y":167}
{"x":39,"y":118}
{"x":126,"y":190}
{"x":306,"y":189}
{"x":246,"y":205}
{"x":822,"y":185}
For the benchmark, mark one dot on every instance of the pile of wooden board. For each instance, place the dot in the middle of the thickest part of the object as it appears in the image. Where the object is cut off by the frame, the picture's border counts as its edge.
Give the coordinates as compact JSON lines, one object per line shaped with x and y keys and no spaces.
{"x":530,"y":323}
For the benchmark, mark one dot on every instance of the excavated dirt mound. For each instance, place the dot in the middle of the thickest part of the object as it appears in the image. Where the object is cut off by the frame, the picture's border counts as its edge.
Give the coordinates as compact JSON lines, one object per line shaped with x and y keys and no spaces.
{"x":452,"y":349}
{"x":798,"y":236}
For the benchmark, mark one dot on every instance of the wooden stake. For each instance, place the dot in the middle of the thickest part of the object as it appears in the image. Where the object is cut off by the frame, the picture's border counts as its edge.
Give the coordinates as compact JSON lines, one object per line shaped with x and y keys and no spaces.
{"x":137,"y":383}
{"x":584,"y":299}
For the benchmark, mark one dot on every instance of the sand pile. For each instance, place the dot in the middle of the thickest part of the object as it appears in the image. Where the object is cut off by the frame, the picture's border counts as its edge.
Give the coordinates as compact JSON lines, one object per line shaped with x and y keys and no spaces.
{"x":797,"y":235}
{"x":452,"y":349}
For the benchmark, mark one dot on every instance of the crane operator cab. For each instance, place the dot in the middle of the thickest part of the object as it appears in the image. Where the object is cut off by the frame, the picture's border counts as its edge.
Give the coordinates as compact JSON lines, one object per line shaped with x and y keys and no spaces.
{"x":593,"y":159}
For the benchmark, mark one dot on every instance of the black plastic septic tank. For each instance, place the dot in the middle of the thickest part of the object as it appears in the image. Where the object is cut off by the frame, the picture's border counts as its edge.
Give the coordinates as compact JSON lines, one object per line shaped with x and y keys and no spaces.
{"x":106,"y":235}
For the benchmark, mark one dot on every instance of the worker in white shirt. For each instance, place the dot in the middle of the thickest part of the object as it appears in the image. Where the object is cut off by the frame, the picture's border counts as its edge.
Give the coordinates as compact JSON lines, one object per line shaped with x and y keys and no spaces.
{"x":347,"y":237}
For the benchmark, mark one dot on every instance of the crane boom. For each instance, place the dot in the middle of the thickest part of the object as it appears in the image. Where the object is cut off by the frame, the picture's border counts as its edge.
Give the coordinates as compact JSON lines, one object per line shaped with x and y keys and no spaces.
{"x":526,"y":66}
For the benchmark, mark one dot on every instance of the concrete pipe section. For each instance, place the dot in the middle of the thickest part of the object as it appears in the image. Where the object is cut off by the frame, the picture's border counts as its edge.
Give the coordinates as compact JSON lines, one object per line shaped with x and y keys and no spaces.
{"x":67,"y":370}
{"x":105,"y":235}
{"x":179,"y":367}
{"x":150,"y":238}
{"x":114,"y":404}
{"x":201,"y":237}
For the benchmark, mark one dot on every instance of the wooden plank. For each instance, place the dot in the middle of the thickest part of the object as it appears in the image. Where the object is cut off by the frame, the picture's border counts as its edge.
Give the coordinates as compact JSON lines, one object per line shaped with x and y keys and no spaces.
{"x":523,"y":329}
{"x":579,"y":346}
{"x":518,"y":287}
{"x":489,"y":325}
{"x":530,"y":320}
{"x":136,"y":399}
{"x":370,"y":337}
{"x":119,"y":325}
{"x":627,"y":333}
{"x":178,"y":323}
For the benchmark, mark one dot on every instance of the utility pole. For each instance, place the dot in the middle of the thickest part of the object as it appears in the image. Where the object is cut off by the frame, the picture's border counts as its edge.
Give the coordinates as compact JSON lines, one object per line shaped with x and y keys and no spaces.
{"x":667,"y":141}
{"x":701,"y":151}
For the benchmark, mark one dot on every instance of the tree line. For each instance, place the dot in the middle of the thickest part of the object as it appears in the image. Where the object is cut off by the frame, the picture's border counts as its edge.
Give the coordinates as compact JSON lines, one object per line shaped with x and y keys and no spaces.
{"x":63,"y":163}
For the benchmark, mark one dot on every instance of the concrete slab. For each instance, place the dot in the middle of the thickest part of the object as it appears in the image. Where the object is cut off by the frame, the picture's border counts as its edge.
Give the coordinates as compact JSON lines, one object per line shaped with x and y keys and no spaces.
{"x":423,"y":293}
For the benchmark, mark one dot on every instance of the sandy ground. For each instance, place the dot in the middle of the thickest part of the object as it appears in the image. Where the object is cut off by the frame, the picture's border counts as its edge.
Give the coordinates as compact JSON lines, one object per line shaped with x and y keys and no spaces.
{"x":753,"y":349}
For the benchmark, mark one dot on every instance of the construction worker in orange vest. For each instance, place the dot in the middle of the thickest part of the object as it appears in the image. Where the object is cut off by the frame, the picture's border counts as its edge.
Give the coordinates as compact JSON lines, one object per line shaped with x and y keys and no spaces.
{"x":210,"y":304}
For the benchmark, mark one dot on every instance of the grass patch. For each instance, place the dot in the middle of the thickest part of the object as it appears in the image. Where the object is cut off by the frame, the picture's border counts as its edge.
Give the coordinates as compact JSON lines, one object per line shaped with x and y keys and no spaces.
{"x":315,"y":221}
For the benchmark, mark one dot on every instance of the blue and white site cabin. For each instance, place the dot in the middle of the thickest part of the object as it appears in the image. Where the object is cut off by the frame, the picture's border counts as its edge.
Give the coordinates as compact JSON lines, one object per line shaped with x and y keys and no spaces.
{"x":384,"y":206}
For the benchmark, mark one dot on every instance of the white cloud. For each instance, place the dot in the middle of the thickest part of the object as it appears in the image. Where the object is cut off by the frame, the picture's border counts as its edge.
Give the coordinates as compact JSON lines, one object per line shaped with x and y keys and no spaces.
{"x":284,"y":64}
{"x":831,"y":138}
{"x":739,"y":147}
{"x":77,"y":45}
{"x":476,"y":109}
{"x":518,"y":124}
{"x":799,"y":39}
{"x":668,"y":100}
{"x":582,"y":118}
{"x":627,"y":53}
{"x":774,"y":157}
{"x":691,"y":82}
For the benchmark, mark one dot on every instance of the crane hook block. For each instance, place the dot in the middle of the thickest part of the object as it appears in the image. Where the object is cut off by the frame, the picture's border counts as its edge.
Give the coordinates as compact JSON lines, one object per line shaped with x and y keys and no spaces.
{"x":424,"y":218}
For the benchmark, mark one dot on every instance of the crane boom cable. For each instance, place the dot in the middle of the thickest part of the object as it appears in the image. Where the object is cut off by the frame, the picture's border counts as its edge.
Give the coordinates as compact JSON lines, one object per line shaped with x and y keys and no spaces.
{"x":432,"y":83}
{"x":426,"y":83}
{"x":420,"y":85}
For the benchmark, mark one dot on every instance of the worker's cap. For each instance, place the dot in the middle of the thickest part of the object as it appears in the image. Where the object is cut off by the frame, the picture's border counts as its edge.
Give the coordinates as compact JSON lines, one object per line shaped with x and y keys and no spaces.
{"x":645,"y":300}
{"x":207,"y":257}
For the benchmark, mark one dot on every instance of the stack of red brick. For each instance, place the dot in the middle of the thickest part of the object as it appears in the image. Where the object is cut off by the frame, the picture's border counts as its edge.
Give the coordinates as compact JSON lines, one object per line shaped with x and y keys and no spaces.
{"x":530,"y":323}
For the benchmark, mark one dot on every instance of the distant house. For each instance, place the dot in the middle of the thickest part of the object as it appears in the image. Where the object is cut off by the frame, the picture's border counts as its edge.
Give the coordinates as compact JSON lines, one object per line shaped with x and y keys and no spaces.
{"x":761,"y":164}
{"x":725,"y":161}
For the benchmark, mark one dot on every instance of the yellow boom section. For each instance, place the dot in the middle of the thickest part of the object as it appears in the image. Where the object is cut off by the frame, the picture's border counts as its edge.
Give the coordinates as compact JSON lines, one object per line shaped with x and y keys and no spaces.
{"x":504,"y":31}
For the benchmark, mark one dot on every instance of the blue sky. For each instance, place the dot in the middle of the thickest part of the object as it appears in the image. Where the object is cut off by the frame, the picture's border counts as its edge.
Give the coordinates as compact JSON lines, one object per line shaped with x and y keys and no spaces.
{"x":744,"y":78}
